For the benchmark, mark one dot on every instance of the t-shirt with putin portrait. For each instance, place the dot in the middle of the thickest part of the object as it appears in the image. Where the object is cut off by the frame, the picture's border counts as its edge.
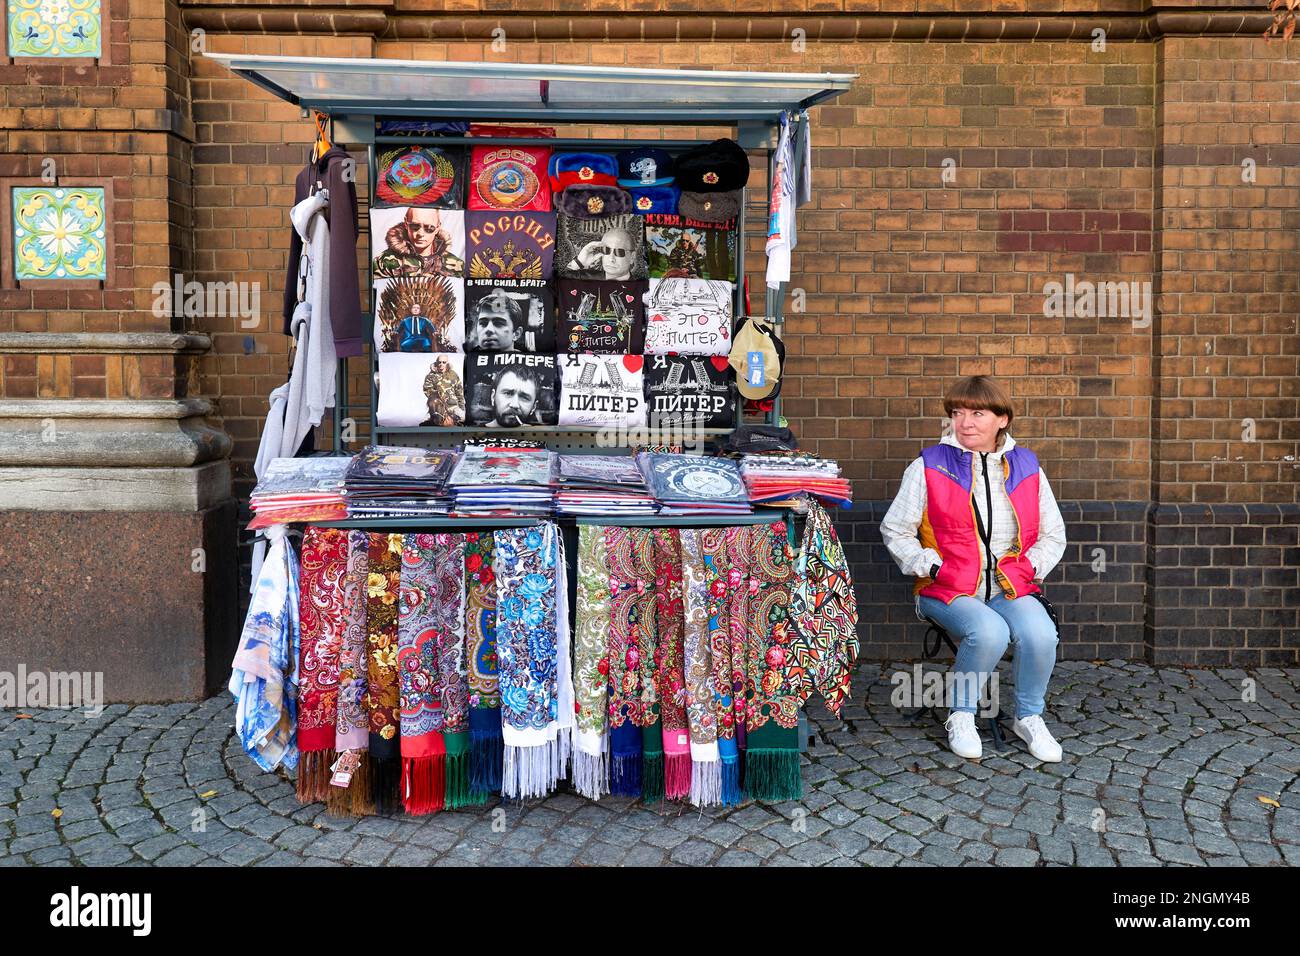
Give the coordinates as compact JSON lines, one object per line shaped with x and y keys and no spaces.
{"x":611,"y":247}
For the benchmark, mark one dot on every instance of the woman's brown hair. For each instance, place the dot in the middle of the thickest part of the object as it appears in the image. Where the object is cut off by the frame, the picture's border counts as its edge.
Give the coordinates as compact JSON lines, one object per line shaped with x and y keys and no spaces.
{"x":979,"y":392}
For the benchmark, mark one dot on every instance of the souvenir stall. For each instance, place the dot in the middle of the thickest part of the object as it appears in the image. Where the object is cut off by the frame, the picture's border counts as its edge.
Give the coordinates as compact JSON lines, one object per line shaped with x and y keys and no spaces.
{"x":567,"y":553}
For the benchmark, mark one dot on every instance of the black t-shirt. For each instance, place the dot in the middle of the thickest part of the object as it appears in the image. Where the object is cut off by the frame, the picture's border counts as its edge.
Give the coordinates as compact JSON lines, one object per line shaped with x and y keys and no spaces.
{"x":510,"y":389}
{"x":612,"y":247}
{"x":689,"y":390}
{"x":601,"y":316}
{"x":509,"y":315}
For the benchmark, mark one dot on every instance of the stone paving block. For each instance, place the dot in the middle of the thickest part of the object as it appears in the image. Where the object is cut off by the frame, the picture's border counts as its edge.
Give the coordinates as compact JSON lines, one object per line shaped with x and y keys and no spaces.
{"x":695,"y":853}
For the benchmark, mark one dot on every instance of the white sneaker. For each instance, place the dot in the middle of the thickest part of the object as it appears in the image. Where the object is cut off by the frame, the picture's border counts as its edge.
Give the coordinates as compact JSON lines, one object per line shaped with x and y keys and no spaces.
{"x":963,"y":740}
{"x":1042,"y":744}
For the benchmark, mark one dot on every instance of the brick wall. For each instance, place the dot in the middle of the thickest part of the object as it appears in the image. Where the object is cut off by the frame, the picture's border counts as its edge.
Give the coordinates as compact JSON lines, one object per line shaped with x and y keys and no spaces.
{"x":1122,"y":165}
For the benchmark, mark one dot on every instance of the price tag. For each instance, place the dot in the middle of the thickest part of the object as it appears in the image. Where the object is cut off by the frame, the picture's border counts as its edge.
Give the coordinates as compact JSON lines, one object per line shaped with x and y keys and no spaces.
{"x":344,"y":768}
{"x":757,"y":370}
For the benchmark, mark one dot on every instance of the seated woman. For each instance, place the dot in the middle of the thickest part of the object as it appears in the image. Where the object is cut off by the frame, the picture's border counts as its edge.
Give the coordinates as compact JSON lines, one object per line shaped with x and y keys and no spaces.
{"x":976,"y":524}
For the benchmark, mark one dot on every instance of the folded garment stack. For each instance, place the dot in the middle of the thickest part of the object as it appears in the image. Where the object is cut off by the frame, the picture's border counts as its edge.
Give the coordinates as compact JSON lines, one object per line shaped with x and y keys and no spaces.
{"x":694,"y":485}
{"x":503,"y":482}
{"x":389,"y":481}
{"x":299,"y":489}
{"x":778,"y":479}
{"x":605,"y":485}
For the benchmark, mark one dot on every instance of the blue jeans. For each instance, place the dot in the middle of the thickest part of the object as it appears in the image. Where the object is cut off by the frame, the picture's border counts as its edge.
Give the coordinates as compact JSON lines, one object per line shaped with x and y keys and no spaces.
{"x":984,"y":631}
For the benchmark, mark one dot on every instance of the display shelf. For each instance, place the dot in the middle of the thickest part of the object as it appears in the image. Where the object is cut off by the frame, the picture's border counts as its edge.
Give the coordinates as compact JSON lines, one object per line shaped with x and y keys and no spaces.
{"x":680,"y":521}
{"x":770,"y":516}
{"x":430,"y":522}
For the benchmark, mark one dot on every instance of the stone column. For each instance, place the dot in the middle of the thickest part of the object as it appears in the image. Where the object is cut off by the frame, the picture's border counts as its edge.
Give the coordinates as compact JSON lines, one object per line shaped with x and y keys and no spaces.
{"x":117,"y":527}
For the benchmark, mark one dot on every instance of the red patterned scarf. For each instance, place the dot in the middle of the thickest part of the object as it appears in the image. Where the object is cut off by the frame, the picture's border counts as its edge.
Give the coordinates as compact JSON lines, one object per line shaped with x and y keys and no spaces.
{"x":430,"y":658}
{"x":322,"y":613}
{"x":670,"y":675}
{"x":383,"y":690}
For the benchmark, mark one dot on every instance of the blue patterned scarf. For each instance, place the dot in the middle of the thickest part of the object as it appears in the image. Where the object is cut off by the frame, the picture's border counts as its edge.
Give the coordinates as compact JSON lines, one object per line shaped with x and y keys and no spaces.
{"x":533,"y":659}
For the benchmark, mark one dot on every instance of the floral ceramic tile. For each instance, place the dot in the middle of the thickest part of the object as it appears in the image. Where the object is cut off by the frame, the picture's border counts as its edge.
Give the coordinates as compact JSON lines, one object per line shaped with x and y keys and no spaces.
{"x":59,"y":233}
{"x":54,"y":27}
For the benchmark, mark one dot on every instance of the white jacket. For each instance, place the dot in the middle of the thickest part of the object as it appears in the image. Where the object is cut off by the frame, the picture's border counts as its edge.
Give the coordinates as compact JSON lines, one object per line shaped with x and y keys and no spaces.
{"x":299,"y":404}
{"x":903,"y":519}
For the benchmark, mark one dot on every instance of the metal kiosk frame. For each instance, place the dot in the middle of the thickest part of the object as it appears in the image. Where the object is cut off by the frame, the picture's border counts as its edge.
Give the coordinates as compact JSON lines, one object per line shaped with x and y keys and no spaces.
{"x":356,"y":93}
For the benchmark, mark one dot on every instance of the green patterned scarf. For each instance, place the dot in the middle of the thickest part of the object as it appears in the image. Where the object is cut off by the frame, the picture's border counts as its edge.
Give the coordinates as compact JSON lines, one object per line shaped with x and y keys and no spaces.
{"x":591,"y":665}
{"x":486,"y":749}
{"x":772,"y":695}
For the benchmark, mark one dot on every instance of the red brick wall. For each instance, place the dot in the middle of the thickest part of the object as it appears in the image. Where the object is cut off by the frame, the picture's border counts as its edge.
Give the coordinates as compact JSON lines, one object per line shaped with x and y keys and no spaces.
{"x":1122,"y":164}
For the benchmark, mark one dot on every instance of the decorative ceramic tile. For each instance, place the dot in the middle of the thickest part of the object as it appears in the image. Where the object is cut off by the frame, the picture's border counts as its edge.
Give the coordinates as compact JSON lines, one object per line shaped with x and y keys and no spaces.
{"x":59,"y":232}
{"x":54,"y":27}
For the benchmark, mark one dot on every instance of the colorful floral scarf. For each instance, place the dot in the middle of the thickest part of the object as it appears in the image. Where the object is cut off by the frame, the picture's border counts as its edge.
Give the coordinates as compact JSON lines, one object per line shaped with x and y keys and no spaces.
{"x":645,"y":627}
{"x":430,"y":647}
{"x":825,"y":612}
{"x":771,"y":695}
{"x":486,"y":750}
{"x":591,"y":665}
{"x":701,"y":715}
{"x":383,"y":691}
{"x":351,"y":732}
{"x":322,"y":619}
{"x":734,"y":563}
{"x":533,"y":658}
{"x":264,"y":672}
{"x":714,"y":544}
{"x":670,"y":676}
{"x":449,"y":561}
{"x":624,"y":657}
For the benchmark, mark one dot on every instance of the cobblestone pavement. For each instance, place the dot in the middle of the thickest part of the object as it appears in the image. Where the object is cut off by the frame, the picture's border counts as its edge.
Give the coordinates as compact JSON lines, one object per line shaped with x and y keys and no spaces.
{"x":1162,"y":766}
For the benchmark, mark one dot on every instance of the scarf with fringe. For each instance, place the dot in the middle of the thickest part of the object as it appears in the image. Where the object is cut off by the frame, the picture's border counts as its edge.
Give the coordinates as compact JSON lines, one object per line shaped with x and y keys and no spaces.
{"x":591,"y":666}
{"x":728,"y":675}
{"x":434,"y":691}
{"x":670,"y":675}
{"x":772,"y":697}
{"x":350,"y":728}
{"x":739,"y":545}
{"x":533,"y":659}
{"x":264,"y":672}
{"x":701,"y":716}
{"x":825,"y":612}
{"x":645,"y":629}
{"x":322,"y":619}
{"x":383,"y":687}
{"x":486,"y":750}
{"x":624,"y":656}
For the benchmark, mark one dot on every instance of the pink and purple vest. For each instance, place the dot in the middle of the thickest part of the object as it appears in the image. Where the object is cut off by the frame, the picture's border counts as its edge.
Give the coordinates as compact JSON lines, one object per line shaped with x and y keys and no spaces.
{"x":948,"y":523}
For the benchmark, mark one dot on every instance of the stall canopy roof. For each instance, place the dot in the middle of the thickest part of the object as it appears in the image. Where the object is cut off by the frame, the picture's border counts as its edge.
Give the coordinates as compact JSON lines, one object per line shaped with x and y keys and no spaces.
{"x":532,"y":91}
